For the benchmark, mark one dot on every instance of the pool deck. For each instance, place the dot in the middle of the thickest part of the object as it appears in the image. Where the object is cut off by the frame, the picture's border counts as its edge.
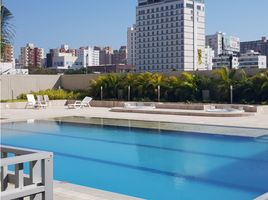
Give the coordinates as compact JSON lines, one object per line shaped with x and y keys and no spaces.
{"x":66,"y":191}
{"x":258,"y":120}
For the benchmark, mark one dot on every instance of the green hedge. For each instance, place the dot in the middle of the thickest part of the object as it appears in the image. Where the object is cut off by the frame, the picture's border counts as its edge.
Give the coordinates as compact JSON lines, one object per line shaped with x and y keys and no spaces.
{"x":185,"y":87}
{"x":58,"y":94}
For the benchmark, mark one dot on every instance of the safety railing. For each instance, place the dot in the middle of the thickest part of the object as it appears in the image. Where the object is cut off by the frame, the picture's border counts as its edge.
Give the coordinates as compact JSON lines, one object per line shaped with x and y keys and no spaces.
{"x":26,"y":173}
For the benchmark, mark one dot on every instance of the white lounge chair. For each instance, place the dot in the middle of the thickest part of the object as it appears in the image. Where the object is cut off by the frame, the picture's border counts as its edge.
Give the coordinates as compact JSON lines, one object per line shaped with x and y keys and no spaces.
{"x":41,"y":102}
{"x":81,"y":104}
{"x":31,"y":102}
{"x":46,"y":99}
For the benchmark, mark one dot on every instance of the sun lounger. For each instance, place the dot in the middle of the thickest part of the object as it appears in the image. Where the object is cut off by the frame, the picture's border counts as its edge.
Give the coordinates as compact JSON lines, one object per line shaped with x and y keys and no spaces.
{"x":41,"y":102}
{"x":46,"y":99}
{"x":31,"y":102}
{"x":81,"y":104}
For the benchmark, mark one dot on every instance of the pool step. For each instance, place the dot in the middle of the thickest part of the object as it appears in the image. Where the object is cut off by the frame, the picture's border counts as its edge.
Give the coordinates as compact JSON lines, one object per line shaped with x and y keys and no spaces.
{"x":263,"y":138}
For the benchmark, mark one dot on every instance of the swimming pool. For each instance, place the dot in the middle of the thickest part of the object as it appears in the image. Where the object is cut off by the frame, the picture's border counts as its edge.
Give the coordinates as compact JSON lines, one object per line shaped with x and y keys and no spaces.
{"x":147,"y":163}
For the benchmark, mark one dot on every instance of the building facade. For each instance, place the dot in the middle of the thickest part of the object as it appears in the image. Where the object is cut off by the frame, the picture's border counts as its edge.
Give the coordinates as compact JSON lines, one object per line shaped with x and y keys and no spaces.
{"x":65,"y":58}
{"x":260,"y":46}
{"x":120,"y":56}
{"x":170,"y":35}
{"x":87,"y":56}
{"x":226,"y":61}
{"x":223,"y":44}
{"x":105,"y":55}
{"x":64,"y":61}
{"x":8,"y":56}
{"x":209,"y":55}
{"x":252,"y":59}
{"x":31,"y":56}
{"x":131,"y":45}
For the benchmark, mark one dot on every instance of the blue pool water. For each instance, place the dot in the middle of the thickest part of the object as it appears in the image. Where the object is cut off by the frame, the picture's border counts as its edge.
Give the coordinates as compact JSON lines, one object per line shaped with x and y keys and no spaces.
{"x":149,"y":164}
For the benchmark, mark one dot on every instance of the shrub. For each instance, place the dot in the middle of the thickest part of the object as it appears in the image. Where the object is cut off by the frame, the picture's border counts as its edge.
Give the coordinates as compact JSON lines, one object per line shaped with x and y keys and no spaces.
{"x":58,"y":94}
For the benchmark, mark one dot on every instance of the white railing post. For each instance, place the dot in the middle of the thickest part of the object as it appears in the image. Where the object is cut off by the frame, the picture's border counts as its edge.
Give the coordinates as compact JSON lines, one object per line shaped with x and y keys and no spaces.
{"x":19,"y":178}
{"x":36,"y":177}
{"x":4,"y":174}
{"x":48,"y":177}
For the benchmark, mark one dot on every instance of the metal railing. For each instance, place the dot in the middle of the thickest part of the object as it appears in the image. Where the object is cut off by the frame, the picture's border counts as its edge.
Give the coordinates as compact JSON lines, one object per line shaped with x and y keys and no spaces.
{"x":26,"y":173}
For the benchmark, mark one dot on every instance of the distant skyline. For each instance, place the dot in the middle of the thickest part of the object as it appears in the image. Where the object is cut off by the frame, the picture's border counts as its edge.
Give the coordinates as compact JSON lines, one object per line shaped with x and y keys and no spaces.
{"x":50,"y":23}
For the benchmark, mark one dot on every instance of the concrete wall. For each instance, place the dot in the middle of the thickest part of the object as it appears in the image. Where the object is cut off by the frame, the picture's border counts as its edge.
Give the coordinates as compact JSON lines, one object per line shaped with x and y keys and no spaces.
{"x":14,"y":85}
{"x":77,"y":82}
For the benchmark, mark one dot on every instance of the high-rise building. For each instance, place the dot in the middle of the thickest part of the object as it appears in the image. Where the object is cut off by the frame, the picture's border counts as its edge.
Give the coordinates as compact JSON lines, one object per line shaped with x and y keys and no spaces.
{"x":223,"y":44}
{"x":31,"y":56}
{"x":170,"y":35}
{"x":120,"y":56}
{"x":87,"y":56}
{"x":106,"y":55}
{"x":260,"y":46}
{"x":131,"y":45}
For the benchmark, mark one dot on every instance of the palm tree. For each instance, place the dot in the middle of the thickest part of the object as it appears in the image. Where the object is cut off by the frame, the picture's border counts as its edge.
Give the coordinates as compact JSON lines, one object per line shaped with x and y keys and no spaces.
{"x":7,"y":29}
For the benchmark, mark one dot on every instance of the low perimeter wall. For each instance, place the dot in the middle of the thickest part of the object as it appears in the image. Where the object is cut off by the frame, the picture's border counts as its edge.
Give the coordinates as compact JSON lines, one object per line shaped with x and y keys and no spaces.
{"x":14,"y":85}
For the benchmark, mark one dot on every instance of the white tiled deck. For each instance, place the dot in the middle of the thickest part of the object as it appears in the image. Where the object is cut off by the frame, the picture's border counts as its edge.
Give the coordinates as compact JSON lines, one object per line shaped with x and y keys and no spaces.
{"x":67,"y":191}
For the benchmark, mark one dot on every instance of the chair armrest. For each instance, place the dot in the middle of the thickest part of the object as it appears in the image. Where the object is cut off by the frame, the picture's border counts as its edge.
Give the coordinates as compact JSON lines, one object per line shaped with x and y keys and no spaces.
{"x":77,"y":102}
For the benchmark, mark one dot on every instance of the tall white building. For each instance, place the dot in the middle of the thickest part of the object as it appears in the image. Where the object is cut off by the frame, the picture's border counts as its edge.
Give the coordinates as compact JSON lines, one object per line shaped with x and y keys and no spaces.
{"x":87,"y":56}
{"x":223,"y":44}
{"x":170,"y":35}
{"x":131,"y":45}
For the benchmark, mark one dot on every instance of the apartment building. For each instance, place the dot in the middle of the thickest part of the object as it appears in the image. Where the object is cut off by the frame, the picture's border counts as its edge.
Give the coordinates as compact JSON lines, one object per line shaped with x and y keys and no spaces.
{"x":8,"y":56}
{"x":223,"y":44}
{"x":105,"y":55}
{"x":87,"y":56}
{"x":120,"y":56}
{"x":131,"y":45}
{"x":252,"y":59}
{"x":226,"y":61}
{"x":31,"y":56}
{"x":170,"y":35}
{"x":260,"y":46}
{"x":65,"y":58}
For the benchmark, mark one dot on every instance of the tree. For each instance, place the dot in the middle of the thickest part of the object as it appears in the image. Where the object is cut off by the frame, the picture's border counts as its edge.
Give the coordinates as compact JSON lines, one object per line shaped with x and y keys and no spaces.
{"x":7,"y":29}
{"x":225,"y":78}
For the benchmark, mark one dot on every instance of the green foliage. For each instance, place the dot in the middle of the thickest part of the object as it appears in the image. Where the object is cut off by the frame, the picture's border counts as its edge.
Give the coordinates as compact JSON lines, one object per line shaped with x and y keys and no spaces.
{"x":185,"y":87}
{"x":87,"y":70}
{"x":12,"y":101}
{"x":40,"y":70}
{"x":7,"y":32}
{"x":58,"y":94}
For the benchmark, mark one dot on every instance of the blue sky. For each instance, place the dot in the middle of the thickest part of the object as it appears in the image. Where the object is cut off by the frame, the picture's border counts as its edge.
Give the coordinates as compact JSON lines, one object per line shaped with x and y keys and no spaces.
{"x":49,"y":23}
